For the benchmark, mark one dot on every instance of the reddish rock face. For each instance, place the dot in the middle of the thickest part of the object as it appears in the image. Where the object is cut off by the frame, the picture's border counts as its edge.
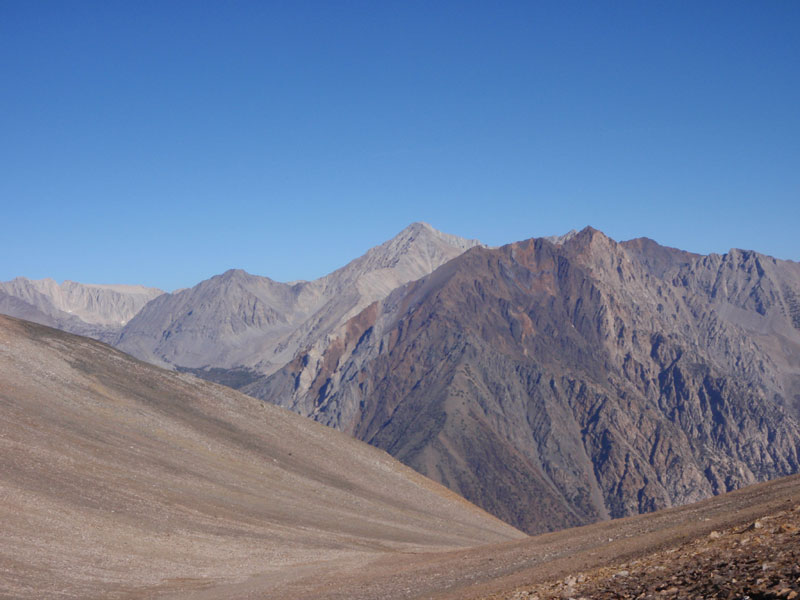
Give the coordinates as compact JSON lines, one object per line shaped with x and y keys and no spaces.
{"x":558,"y":384}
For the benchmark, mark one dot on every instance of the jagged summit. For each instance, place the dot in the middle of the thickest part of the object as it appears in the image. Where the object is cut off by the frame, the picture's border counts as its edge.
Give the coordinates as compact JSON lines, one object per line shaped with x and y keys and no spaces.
{"x":237,"y":320}
{"x":422,"y":228}
{"x":414,"y":252}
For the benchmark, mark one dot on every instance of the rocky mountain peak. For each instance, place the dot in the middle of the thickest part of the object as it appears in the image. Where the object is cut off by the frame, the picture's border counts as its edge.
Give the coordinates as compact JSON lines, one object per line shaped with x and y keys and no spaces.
{"x":591,"y":238}
{"x":232,"y":274}
{"x":419,"y":247}
{"x":420,"y":229}
{"x":236,"y":320}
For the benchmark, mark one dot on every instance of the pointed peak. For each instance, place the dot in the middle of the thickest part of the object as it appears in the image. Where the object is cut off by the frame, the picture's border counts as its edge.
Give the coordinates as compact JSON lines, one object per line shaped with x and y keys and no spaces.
{"x":588,"y":235}
{"x":420,"y":229}
{"x":591,"y":241}
{"x":558,"y":240}
{"x":417,"y":228}
{"x":416,"y":251}
{"x":232,"y":275}
{"x":420,"y":226}
{"x":590,"y":231}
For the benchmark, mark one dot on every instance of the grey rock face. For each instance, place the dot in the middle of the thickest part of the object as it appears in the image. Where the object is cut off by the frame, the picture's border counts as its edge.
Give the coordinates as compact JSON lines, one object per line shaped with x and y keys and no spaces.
{"x":251,"y":324}
{"x":557,"y":384}
{"x":98,"y":311}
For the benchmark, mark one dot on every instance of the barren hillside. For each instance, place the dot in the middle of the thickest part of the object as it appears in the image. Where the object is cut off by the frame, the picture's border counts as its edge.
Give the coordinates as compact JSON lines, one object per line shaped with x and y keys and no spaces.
{"x":120,"y":479}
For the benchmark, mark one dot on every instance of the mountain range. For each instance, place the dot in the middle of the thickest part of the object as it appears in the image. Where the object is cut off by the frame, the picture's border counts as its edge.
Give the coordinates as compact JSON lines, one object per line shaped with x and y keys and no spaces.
{"x":98,"y":311}
{"x":249,"y":325}
{"x":553,"y":382}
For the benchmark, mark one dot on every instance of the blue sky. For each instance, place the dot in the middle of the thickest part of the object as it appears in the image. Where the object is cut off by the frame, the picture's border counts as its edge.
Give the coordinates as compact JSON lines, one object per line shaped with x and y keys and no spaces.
{"x":164,"y":142}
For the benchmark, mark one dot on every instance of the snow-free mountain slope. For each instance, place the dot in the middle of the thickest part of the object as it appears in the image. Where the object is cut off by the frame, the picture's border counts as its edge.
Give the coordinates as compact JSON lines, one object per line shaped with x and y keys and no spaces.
{"x":99,"y":311}
{"x":120,"y":479}
{"x":253,"y":325}
{"x":558,"y":384}
{"x":601,"y":378}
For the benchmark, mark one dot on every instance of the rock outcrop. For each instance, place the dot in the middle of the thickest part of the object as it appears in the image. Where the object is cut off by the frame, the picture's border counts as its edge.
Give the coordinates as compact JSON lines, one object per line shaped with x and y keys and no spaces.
{"x":761,"y":560}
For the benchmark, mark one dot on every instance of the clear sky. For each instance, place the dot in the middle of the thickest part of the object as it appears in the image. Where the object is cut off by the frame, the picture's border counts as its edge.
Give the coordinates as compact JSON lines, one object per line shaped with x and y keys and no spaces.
{"x":164,"y":142}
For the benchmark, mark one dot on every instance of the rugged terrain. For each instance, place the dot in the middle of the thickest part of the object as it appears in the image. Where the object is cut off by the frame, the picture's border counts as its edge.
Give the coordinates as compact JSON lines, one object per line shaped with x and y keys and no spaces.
{"x":98,"y":311}
{"x":602,"y":379}
{"x":759,"y":560}
{"x":120,"y":479}
{"x":556,"y":384}
{"x":237,"y":326}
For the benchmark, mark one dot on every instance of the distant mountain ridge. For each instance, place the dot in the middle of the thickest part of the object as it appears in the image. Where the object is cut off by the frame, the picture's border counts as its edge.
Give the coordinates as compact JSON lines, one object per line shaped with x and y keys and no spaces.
{"x":98,"y":311}
{"x":233,"y":326}
{"x":238,"y":321}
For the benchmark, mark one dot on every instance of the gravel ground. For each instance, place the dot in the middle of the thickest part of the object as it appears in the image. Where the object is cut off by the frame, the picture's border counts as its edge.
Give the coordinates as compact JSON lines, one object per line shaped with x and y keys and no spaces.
{"x":758,"y":561}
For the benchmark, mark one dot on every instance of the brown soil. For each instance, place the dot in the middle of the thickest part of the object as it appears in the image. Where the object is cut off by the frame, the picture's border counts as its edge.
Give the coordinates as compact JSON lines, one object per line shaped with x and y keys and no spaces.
{"x":541,"y":565}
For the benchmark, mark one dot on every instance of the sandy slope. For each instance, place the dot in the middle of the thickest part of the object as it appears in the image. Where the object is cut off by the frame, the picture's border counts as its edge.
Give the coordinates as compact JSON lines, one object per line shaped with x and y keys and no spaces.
{"x":119,"y":479}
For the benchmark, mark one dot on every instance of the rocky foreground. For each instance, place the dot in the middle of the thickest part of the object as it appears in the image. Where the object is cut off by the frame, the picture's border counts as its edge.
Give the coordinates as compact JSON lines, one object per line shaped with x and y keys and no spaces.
{"x":758,"y":561}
